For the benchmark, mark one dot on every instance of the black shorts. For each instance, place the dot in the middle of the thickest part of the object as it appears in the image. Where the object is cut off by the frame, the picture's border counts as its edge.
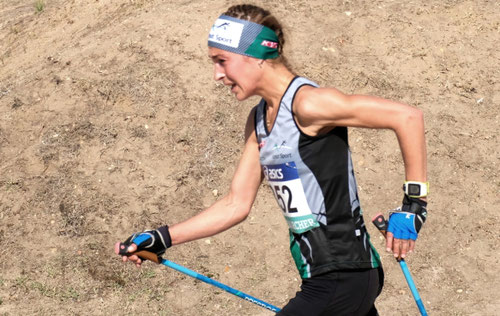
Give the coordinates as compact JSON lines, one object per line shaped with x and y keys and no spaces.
{"x":337,"y":293}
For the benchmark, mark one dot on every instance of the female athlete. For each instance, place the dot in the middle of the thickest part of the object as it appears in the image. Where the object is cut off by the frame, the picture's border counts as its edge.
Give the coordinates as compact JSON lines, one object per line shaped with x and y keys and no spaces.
{"x":296,"y":139}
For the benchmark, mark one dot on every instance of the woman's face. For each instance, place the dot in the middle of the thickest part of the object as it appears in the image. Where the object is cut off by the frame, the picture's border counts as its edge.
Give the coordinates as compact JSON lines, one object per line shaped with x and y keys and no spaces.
{"x":241,"y":73}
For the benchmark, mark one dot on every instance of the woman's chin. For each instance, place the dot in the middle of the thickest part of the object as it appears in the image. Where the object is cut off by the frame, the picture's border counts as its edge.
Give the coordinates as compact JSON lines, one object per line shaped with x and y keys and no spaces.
{"x":240,"y":96}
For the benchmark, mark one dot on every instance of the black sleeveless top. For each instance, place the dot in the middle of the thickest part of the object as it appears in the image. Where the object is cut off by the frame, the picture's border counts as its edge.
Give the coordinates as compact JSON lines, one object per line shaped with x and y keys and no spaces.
{"x":313,"y":181}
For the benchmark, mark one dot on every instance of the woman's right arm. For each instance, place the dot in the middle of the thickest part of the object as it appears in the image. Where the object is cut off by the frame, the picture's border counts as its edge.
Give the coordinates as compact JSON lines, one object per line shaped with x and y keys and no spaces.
{"x":227,"y":212}
{"x":234,"y":207}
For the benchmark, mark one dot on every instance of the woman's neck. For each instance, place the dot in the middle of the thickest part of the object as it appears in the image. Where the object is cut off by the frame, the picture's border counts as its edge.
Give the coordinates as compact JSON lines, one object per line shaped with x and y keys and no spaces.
{"x":274,"y":83}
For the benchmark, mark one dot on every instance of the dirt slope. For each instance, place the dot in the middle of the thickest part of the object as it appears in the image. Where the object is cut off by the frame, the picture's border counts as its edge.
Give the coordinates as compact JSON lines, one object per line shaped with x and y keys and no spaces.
{"x":110,"y":122}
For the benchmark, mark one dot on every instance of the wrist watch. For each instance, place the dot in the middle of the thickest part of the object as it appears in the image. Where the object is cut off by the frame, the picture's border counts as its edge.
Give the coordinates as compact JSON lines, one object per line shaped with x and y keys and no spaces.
{"x":416,"y":189}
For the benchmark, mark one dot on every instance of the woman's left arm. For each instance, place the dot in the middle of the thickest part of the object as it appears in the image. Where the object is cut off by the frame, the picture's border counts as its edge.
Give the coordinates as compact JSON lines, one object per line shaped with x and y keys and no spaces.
{"x":319,"y":109}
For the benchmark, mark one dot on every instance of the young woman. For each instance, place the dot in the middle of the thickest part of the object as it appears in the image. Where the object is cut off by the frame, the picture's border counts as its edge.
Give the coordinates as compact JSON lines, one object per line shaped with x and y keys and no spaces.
{"x":296,"y":138}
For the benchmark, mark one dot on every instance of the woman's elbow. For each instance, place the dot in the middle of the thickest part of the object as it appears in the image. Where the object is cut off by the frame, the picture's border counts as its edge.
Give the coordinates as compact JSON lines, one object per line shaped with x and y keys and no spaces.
{"x":412,"y":117}
{"x":416,"y":116}
{"x":242,"y":213}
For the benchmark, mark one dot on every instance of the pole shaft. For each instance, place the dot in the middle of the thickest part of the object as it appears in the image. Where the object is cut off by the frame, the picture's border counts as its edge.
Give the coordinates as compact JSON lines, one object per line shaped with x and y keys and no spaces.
{"x":382,"y":225}
{"x":226,"y":288}
{"x":412,"y":287}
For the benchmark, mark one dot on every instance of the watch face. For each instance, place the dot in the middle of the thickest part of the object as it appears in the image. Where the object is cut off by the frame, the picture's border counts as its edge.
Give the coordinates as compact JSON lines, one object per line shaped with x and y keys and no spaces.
{"x":413,"y":189}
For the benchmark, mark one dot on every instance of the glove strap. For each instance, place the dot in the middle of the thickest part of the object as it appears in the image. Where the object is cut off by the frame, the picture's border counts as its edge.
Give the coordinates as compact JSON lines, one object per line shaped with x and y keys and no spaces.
{"x":165,"y":236}
{"x":417,"y":207}
{"x":413,"y":205}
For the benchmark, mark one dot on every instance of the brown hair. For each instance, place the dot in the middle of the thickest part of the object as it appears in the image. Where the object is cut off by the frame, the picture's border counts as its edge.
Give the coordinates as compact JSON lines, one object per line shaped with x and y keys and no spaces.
{"x":261,"y":16}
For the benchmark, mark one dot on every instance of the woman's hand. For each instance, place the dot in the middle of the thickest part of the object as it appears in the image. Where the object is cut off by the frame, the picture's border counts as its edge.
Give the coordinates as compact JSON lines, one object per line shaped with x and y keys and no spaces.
{"x":405,"y":223}
{"x":119,"y":247}
{"x":154,"y":241}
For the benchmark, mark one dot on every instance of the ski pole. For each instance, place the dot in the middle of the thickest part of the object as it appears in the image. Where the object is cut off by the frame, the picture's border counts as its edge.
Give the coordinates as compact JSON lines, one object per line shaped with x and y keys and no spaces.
{"x":153,"y":257}
{"x":380,"y":222}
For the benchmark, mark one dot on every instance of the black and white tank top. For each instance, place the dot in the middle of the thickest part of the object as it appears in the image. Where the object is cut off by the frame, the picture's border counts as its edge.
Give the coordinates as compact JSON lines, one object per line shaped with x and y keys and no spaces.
{"x":313,"y":181}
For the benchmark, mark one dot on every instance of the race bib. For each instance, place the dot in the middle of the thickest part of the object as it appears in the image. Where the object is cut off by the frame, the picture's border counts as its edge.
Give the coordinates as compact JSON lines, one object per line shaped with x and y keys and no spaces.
{"x":289,"y":192}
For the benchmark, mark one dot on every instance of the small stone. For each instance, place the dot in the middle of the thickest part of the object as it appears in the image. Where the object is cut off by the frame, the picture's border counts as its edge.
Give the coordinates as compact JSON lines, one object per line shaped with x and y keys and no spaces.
{"x":215,"y":192}
{"x":459,"y":291}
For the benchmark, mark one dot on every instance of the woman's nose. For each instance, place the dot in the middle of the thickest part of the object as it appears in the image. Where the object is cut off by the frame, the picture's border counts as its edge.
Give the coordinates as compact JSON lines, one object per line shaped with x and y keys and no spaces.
{"x":218,"y":73}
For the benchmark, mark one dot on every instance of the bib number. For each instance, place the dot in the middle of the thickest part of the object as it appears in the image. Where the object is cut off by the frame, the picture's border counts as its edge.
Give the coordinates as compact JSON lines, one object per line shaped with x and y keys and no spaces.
{"x":289,"y":193}
{"x":284,"y":196}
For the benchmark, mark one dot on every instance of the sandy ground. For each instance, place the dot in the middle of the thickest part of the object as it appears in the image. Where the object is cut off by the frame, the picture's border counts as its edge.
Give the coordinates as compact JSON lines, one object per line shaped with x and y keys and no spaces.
{"x":110,"y":122}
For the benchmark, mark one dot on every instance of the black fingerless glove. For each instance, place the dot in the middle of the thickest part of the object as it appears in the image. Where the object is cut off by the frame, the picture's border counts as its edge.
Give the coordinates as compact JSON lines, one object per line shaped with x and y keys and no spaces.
{"x":155,"y":241}
{"x":415,"y":206}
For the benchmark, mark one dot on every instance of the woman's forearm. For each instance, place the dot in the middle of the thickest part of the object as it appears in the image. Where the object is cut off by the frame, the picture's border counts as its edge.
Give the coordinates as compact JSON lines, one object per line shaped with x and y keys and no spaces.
{"x":411,"y":137}
{"x":219,"y":217}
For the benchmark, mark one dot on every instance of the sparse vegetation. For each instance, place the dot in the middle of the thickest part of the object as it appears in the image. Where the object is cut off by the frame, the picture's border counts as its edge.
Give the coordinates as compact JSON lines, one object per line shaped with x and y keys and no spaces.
{"x":39,"y":6}
{"x":43,"y":289}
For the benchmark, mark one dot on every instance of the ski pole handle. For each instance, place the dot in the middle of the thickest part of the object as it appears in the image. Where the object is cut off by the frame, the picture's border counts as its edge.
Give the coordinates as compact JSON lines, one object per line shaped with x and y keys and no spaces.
{"x":380,"y":222}
{"x":143,"y":254}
